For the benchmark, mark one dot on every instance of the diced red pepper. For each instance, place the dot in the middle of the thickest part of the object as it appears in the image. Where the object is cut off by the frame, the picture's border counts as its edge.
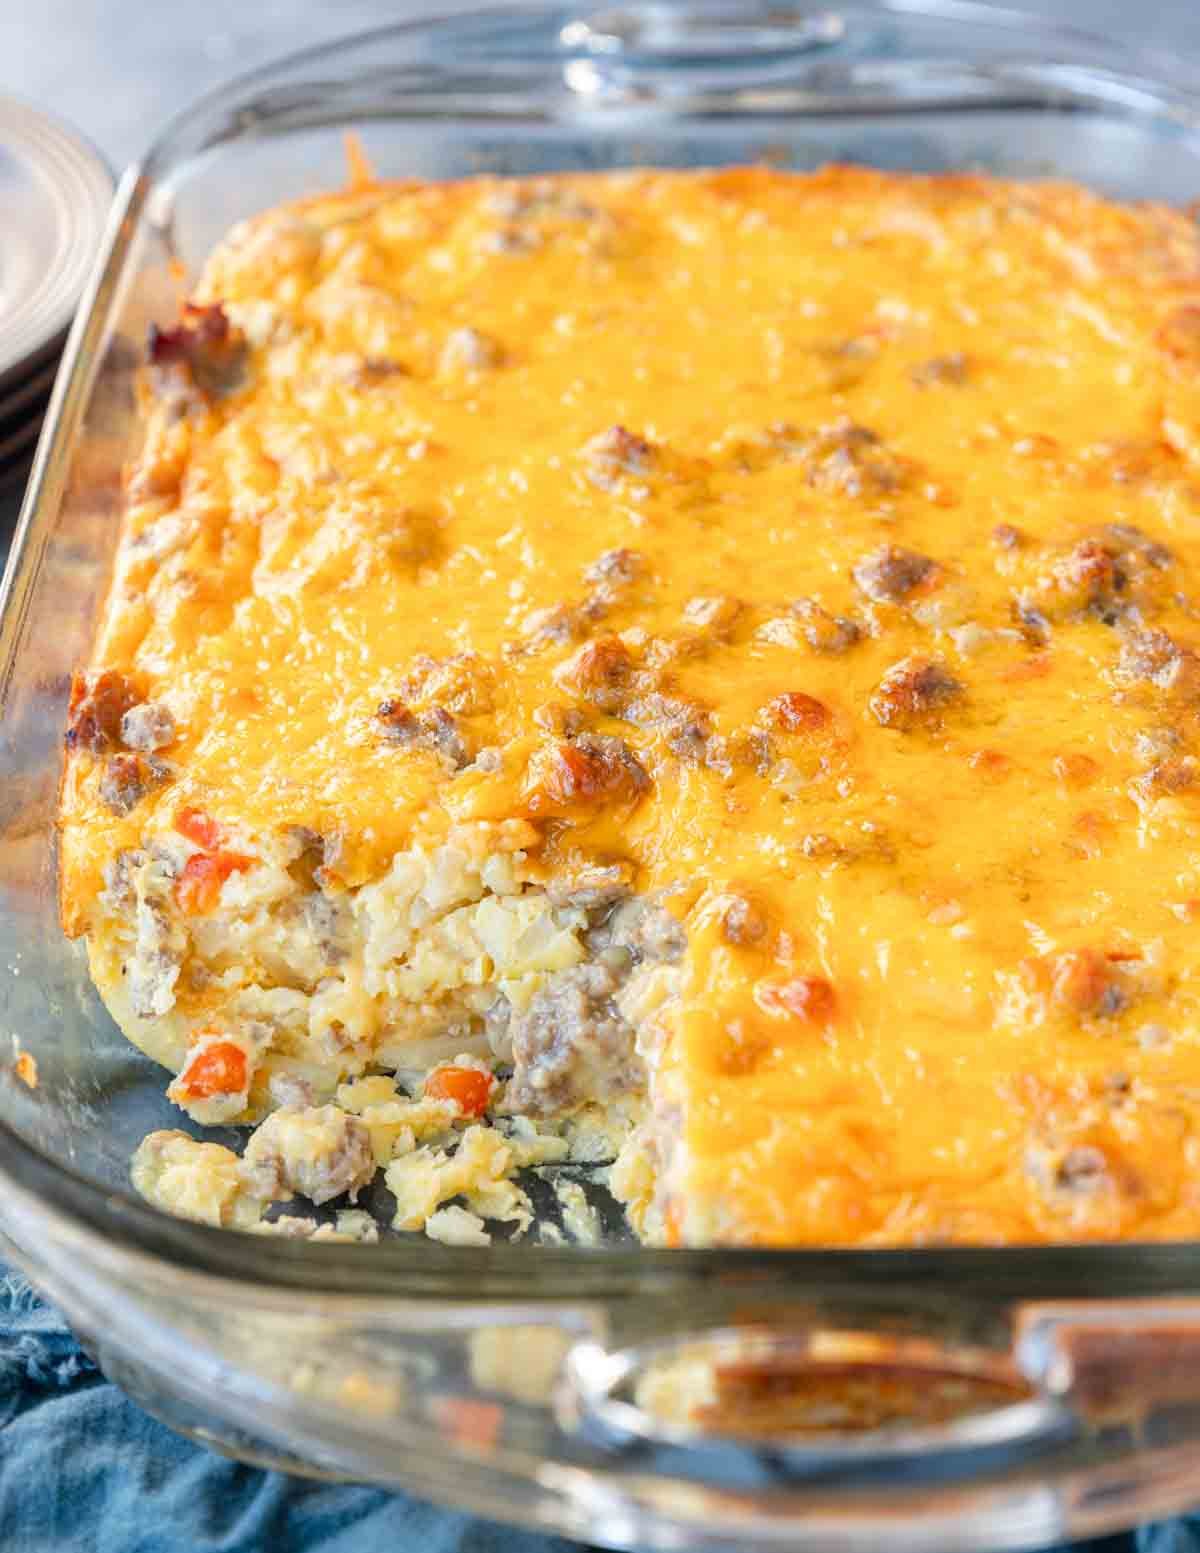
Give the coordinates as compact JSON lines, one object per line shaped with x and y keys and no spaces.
{"x":467,"y":1087}
{"x":199,"y":885}
{"x":199,"y":827}
{"x":219,"y":1069}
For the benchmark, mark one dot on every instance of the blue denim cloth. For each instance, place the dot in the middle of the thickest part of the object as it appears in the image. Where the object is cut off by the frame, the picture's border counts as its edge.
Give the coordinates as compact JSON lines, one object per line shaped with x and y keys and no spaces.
{"x":83,"y":1468}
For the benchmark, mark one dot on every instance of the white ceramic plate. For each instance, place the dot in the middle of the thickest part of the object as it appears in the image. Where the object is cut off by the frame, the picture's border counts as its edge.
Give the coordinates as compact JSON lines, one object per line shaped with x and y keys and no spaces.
{"x":54,"y":194}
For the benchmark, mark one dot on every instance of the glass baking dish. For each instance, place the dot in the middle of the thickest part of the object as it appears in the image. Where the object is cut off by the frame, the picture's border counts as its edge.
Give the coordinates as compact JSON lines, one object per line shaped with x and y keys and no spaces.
{"x":519,"y":1381}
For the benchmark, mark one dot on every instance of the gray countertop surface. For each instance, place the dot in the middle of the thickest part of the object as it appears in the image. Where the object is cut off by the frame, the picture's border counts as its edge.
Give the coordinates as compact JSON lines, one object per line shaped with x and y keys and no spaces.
{"x":118,"y":69}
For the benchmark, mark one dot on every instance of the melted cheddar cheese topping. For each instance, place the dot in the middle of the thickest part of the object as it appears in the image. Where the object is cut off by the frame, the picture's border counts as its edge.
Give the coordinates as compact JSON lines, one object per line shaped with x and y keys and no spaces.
{"x":824,"y":550}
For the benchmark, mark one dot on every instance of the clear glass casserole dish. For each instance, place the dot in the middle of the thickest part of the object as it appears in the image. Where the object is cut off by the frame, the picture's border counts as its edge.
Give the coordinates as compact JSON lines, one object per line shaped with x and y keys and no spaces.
{"x":1008,"y":1397}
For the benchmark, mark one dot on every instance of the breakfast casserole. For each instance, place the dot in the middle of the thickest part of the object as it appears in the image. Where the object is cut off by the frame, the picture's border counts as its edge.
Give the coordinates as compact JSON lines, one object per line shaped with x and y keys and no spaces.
{"x":693,"y":671}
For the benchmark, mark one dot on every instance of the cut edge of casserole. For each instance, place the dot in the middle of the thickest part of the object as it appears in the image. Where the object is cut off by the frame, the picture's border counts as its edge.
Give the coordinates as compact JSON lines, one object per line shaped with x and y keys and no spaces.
{"x":327,"y":1010}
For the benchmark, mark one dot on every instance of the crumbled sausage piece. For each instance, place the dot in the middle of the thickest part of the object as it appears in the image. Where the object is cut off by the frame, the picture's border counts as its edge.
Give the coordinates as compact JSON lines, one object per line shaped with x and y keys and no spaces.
{"x":1154,"y":744}
{"x":594,"y":887}
{"x":1128,"y":540}
{"x":615,"y":453}
{"x":444,"y":737}
{"x":612,"y":762}
{"x":715,"y":614}
{"x":1083,"y":982}
{"x":434,"y":729}
{"x":400,"y":726}
{"x":591,"y":769}
{"x":562,"y":721}
{"x":1087,"y":577}
{"x":1085,"y":580}
{"x":1079,"y":1171}
{"x":1007,"y":536}
{"x":1156,"y":657}
{"x":315,"y":861}
{"x":743,"y":922}
{"x":318,"y":1151}
{"x":203,"y":351}
{"x":795,"y":712}
{"x":1114,"y":573}
{"x":126,"y":779}
{"x":940,"y":369}
{"x":825,"y":633}
{"x":147,"y":726}
{"x":1082,"y":1169}
{"x":152,"y":970}
{"x":891,"y":573}
{"x":558,"y":623}
{"x":684,"y":724}
{"x":464,"y":684}
{"x":642,"y":929}
{"x":850,"y":460}
{"x":467,"y":350}
{"x":572,"y":1045}
{"x":119,"y":895}
{"x":328,"y":919}
{"x":98,"y":703}
{"x":1177,"y":775}
{"x":600,"y":672}
{"x":554,"y":624}
{"x":619,"y":566}
{"x":913,"y":691}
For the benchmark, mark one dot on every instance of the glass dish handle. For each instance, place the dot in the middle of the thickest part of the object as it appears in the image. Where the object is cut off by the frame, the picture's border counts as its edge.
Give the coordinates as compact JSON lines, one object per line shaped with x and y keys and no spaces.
{"x":1112,"y":1362}
{"x":840,"y":1392}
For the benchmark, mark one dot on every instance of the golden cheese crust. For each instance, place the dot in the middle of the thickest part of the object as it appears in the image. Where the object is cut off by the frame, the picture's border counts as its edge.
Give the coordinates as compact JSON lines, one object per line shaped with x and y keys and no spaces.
{"x":817,"y":556}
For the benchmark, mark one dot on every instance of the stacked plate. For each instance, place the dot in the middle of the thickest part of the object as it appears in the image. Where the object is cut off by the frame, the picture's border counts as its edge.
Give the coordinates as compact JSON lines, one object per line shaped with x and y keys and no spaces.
{"x":54,"y":194}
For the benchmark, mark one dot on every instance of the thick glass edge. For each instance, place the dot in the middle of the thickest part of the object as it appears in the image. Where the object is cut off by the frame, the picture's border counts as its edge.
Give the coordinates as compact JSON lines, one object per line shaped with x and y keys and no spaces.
{"x":983,"y":1275}
{"x":64,"y":414}
{"x":503,"y":1271}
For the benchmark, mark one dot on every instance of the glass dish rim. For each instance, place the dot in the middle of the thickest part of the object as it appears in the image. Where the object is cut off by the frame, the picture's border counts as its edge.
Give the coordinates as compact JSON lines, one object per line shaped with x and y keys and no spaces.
{"x":527,"y":1271}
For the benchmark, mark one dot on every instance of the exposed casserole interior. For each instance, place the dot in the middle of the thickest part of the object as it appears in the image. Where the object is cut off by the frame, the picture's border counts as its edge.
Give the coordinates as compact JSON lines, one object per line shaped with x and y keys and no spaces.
{"x":703,"y":660}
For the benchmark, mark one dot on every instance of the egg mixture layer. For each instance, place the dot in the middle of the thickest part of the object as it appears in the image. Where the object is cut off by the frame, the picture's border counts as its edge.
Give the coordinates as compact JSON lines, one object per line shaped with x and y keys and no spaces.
{"x":705,"y":663}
